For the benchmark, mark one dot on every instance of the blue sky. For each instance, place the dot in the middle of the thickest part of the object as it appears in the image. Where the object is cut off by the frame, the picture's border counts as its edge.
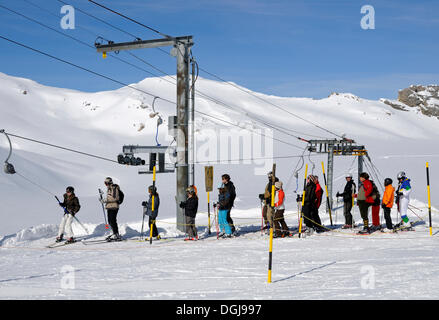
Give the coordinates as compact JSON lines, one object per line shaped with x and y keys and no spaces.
{"x":304,"y":48}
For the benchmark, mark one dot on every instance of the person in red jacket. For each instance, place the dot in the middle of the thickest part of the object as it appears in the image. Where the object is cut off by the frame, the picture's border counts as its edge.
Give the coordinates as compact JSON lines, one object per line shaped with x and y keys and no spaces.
{"x":315,"y":211}
{"x":365,"y":200}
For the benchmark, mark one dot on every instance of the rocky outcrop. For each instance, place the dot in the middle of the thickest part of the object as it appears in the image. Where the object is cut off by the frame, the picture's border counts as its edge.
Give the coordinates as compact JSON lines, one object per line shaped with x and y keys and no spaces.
{"x":426,"y":98}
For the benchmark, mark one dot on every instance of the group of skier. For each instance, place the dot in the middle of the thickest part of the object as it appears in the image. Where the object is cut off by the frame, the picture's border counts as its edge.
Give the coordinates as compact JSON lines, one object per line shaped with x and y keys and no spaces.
{"x":272,"y":213}
{"x":114,"y":198}
{"x":369,"y":196}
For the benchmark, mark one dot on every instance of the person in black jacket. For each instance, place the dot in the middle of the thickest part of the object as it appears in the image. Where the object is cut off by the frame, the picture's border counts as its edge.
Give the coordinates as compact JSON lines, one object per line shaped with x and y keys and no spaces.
{"x":309,"y":202}
{"x":71,"y":207}
{"x":152,"y":214}
{"x":230,"y":187}
{"x":349,"y":190}
{"x":190,"y":211}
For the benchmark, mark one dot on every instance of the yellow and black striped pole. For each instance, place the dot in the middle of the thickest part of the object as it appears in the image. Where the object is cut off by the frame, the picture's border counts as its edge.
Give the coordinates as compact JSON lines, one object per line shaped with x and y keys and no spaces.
{"x":152,"y":205}
{"x":327,"y":194}
{"x":208,"y":211}
{"x":270,"y":255}
{"x":270,"y":252}
{"x":429,"y":199}
{"x":303,"y":201}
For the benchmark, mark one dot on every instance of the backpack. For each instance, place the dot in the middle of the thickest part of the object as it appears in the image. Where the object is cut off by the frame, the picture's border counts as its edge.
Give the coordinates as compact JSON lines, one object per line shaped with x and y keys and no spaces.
{"x":121,"y":194}
{"x":375,"y":194}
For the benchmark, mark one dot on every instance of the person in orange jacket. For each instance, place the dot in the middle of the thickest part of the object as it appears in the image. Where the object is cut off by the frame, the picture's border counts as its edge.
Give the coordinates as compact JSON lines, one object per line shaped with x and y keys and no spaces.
{"x":387,"y":203}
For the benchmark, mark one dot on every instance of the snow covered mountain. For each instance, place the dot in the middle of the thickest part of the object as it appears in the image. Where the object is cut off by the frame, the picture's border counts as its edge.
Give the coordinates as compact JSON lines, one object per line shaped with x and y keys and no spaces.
{"x":101,"y":123}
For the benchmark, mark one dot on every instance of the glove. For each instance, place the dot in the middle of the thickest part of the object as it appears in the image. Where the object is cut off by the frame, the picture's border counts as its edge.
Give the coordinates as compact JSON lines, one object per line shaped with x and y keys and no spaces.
{"x":62,"y":205}
{"x":144,"y":203}
{"x":214,"y":204}
{"x":261,"y":196}
{"x":338,"y":194}
{"x":182,"y":204}
{"x":399,"y":194}
{"x":383,"y":206}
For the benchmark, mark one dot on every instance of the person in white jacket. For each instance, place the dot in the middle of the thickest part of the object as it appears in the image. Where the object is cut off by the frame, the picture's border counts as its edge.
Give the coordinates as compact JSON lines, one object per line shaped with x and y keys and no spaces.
{"x":403,"y":197}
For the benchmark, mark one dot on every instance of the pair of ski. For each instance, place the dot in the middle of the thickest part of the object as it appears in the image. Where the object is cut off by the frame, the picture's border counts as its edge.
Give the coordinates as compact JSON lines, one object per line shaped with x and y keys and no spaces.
{"x":61,"y":244}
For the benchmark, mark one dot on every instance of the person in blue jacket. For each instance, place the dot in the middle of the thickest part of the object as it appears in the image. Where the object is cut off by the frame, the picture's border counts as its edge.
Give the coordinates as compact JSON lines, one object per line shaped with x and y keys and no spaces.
{"x":223,"y":205}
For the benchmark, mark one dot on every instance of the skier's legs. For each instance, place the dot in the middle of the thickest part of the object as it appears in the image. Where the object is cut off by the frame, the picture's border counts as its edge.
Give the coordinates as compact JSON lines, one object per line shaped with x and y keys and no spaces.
{"x":68,"y":226}
{"x":376,"y":215}
{"x":307,"y":215}
{"x":403,"y":207}
{"x":112,"y":220}
{"x":347,"y":207}
{"x":62,"y":226}
{"x":154,"y":227}
{"x":230,"y":221}
{"x":364,"y":212}
{"x":388,"y":218}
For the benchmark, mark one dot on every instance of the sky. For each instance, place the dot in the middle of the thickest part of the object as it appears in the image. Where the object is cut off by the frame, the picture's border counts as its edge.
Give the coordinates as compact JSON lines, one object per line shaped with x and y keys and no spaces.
{"x":290,"y":48}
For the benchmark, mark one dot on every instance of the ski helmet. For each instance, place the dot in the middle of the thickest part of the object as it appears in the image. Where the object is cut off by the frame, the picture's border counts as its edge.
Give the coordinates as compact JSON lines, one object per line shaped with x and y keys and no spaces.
{"x":152,"y":189}
{"x":70,"y":189}
{"x":388,"y":181}
{"x":401,"y":175}
{"x":190,"y":190}
{"x":108,"y":180}
{"x":348,"y":175}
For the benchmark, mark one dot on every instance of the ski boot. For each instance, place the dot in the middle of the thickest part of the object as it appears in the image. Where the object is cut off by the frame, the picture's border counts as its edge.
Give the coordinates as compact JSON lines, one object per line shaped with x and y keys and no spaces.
{"x":70,"y":240}
{"x":59,"y":239}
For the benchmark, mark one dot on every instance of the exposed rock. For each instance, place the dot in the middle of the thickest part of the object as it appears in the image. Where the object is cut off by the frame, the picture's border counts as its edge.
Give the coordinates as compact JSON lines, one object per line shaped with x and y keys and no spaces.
{"x":426,"y":98}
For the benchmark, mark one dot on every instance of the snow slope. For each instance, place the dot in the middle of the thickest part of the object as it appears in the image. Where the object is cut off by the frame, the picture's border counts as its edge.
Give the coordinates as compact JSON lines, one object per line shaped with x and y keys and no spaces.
{"x":100,"y":123}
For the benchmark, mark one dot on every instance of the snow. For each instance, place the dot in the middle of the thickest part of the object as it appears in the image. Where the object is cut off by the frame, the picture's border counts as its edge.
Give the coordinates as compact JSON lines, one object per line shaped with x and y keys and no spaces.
{"x":335,"y":265}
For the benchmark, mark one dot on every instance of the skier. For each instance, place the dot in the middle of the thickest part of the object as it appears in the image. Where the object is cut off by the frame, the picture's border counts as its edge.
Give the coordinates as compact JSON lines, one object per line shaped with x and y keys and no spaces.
{"x":152,"y":190}
{"x":311,"y":204}
{"x":267,"y":211}
{"x":190,"y":211}
{"x":349,"y":190}
{"x":387,"y":202}
{"x":280,"y":227}
{"x":364,"y":200}
{"x":112,"y":206}
{"x":223,"y":204}
{"x":403,"y":198}
{"x":230,"y":187}
{"x":71,"y":206}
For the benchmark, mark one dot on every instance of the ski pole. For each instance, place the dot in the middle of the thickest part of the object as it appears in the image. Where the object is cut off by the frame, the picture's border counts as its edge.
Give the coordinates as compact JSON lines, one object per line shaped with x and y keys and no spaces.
{"x":103,"y":208}
{"x":208,"y":211}
{"x":303,"y":202}
{"x":429,"y":199}
{"x":143,"y":222}
{"x":152,"y":205}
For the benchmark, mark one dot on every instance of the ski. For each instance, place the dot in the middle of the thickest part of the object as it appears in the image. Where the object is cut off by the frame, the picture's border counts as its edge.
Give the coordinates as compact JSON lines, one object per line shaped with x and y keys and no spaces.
{"x":60,"y":244}
{"x":88,"y":242}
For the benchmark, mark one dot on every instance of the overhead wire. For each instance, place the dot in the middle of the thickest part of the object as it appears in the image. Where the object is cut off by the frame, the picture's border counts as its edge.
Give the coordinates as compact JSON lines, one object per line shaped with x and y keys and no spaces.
{"x":198,"y":92}
{"x":134,"y":88}
{"x":254,"y":95}
{"x":219,"y":78}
